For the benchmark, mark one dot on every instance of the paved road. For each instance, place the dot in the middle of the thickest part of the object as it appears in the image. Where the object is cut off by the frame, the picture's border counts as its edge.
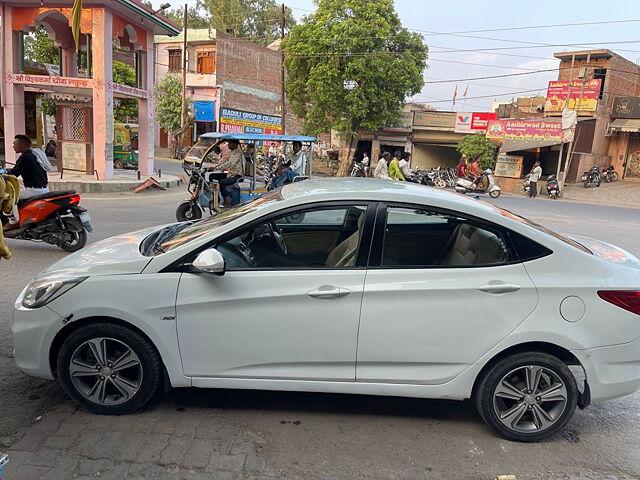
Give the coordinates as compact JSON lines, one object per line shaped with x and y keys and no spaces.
{"x":191,"y":433}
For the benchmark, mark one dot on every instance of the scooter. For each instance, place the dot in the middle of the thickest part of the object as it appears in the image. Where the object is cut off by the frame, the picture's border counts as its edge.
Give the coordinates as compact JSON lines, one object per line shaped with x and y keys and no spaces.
{"x":55,"y":217}
{"x":485,"y":184}
{"x":526,"y":185}
{"x":553,"y":189}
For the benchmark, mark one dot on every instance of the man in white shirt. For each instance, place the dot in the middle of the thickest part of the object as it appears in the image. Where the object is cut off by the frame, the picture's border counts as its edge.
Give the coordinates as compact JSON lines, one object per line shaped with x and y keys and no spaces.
{"x":536,"y":173}
{"x":382,"y":169}
{"x":298,"y":159}
{"x":366,"y":162}
{"x":405,"y":168}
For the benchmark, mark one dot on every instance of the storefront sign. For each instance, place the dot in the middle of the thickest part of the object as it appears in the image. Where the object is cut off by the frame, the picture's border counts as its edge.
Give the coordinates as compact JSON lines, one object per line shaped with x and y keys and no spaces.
{"x":473,"y":122}
{"x":435,"y":120}
{"x":509,"y":166}
{"x":238,"y":121}
{"x":626,"y":107}
{"x":73,"y":82}
{"x":557,"y":95}
{"x":528,"y":129}
{"x":405,"y":124}
{"x":130,"y":91}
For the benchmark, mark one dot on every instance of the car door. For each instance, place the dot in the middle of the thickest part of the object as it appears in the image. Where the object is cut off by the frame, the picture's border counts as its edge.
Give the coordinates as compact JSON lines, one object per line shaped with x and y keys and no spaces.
{"x":434,"y":307}
{"x":278,"y":317}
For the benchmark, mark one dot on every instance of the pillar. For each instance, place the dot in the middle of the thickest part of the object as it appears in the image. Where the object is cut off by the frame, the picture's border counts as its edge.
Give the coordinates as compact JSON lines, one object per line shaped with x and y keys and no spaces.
{"x":146,"y":122}
{"x":69,"y":62}
{"x":102,"y":93}
{"x":12,"y":94}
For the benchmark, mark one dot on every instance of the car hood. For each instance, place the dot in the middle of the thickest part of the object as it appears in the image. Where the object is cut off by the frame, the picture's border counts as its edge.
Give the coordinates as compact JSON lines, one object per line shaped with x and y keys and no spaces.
{"x":606,"y":251}
{"x":115,"y":255}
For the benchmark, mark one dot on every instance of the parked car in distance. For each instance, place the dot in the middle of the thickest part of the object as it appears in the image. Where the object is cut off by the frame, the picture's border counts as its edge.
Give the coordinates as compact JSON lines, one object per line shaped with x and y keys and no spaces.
{"x":379,"y":287}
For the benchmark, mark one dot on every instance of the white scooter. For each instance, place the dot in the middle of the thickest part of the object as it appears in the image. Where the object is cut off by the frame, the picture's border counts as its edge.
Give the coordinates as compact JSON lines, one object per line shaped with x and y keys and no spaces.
{"x":485,"y":184}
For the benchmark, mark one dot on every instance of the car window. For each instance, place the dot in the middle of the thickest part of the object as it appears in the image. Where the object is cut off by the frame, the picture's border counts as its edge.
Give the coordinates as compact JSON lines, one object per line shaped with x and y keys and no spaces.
{"x":425,"y":238}
{"x":306,"y":238}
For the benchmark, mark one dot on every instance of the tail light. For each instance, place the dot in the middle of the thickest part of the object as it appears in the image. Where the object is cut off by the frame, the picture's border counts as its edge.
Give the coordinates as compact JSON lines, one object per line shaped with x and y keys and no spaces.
{"x":75,"y":199}
{"x":629,"y":300}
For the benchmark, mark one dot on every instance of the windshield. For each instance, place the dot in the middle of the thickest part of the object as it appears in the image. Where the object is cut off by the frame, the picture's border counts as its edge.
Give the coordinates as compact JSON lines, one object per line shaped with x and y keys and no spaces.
{"x":176,"y":235}
{"x":197,"y":152}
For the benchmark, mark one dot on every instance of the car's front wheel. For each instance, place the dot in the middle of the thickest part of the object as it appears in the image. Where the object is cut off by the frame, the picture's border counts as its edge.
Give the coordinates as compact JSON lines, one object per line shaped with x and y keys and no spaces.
{"x":527,"y":397}
{"x":109,"y":368}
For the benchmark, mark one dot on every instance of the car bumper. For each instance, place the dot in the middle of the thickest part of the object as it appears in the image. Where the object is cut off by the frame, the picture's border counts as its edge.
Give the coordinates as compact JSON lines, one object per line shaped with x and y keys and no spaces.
{"x":33,"y":331}
{"x":612,"y":371}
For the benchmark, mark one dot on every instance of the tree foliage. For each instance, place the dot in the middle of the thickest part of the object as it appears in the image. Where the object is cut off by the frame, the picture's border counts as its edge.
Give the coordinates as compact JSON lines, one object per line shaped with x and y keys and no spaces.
{"x":350,"y":65}
{"x":168,"y":101}
{"x":197,"y":17}
{"x":475,"y":146}
{"x":124,"y":108}
{"x":38,"y":47}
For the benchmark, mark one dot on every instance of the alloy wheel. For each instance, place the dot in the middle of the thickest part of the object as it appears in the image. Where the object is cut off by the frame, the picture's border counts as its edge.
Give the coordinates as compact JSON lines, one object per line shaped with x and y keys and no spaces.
{"x":106,"y":371}
{"x":530,"y":399}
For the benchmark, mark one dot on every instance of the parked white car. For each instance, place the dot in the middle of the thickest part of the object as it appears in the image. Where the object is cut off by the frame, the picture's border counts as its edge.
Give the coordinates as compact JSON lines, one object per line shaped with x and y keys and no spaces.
{"x":349,"y":286}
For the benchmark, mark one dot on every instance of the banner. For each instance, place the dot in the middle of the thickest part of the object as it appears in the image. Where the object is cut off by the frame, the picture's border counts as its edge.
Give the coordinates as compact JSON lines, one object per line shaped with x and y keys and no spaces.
{"x":238,"y":121}
{"x":473,"y":122}
{"x":557,"y":95}
{"x":626,"y":107}
{"x":528,"y":129}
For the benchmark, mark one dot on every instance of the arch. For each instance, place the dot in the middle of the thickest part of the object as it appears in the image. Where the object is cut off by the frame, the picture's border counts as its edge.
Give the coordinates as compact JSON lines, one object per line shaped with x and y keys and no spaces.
{"x":57,"y":26}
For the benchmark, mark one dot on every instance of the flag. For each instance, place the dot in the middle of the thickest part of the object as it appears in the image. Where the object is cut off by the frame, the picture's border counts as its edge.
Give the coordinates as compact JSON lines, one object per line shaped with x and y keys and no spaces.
{"x":76,"y":16}
{"x":466,"y":90}
{"x":455,"y":94}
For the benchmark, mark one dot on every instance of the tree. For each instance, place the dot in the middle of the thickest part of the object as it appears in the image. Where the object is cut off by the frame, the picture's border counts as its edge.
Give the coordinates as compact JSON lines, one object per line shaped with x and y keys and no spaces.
{"x":38,"y":47}
{"x":475,"y":146}
{"x":194,"y":17}
{"x":168,"y":98}
{"x":124,"y":108}
{"x":350,"y":65}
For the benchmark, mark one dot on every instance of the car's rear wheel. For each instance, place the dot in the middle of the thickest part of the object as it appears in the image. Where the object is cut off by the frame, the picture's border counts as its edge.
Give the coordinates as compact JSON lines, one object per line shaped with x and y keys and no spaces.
{"x":109,"y":368}
{"x":527,"y":397}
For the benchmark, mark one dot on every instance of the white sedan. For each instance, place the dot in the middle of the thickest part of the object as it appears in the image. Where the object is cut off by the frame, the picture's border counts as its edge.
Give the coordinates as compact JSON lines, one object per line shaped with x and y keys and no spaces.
{"x":350,"y":286}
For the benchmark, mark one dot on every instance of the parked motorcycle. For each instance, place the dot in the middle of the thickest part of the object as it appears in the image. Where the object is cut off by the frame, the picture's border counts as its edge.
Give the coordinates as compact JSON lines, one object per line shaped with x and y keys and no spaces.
{"x":526,"y":184}
{"x":56,"y":218}
{"x":609,"y":174}
{"x":592,"y":177}
{"x":485,"y":184}
{"x":553,"y":189}
{"x":358,"y":169}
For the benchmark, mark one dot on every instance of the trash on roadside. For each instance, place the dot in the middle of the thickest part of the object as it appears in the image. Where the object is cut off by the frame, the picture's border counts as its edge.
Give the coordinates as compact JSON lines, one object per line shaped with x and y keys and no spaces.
{"x":505,"y":477}
{"x":4,"y":459}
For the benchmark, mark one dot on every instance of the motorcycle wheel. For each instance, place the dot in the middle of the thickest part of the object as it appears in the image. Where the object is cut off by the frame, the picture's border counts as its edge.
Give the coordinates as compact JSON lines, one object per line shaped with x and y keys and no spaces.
{"x":613,"y":176}
{"x":440,"y":183}
{"x":494,"y":193}
{"x":77,"y":238}
{"x":586,"y":183}
{"x":187,"y":211}
{"x":118,"y":165}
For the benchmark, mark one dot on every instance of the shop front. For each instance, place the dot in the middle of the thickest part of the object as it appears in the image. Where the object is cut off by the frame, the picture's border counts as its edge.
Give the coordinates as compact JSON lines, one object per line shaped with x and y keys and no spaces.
{"x":624,"y":141}
{"x":435,"y":140}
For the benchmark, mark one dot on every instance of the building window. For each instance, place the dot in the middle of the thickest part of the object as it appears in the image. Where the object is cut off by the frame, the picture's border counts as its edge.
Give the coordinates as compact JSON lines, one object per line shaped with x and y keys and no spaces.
{"x":175,"y":60}
{"x":600,"y":73}
{"x":206,"y":62}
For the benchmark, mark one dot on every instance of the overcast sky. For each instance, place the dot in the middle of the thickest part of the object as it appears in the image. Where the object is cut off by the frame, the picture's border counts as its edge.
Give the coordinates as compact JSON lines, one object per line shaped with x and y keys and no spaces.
{"x":428,"y":16}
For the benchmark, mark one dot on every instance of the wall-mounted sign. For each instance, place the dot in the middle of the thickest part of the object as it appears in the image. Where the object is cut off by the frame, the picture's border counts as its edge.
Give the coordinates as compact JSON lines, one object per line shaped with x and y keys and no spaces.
{"x":509,"y":166}
{"x":528,"y":129}
{"x":470,"y":122}
{"x":557,"y":93}
{"x":435,"y":120}
{"x":238,"y":121}
{"x":626,"y":107}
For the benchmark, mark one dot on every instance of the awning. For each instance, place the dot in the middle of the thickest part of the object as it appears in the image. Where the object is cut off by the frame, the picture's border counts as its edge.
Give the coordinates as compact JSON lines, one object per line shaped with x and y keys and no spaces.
{"x":625,"y":125}
{"x":516,"y":145}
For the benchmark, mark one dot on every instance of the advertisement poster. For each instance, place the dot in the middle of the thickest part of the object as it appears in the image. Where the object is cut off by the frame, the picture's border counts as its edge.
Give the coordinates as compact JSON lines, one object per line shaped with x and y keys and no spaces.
{"x":528,"y":129}
{"x":238,"y":121}
{"x":473,"y":122}
{"x":626,"y":107}
{"x":509,"y":166}
{"x":557,"y":95}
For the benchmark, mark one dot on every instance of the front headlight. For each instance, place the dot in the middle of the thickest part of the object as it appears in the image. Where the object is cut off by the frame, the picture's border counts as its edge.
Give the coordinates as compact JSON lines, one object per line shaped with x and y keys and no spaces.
{"x":40,"y":292}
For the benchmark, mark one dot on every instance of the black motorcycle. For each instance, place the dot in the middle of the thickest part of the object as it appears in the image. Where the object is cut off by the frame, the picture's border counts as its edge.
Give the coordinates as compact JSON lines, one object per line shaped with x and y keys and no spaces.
{"x":553,"y":189}
{"x":592,"y":177}
{"x":609,"y":174}
{"x":358,"y":169}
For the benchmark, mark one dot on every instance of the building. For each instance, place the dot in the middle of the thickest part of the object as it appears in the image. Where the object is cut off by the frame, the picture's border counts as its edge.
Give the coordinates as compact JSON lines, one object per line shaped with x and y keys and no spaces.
{"x":84,"y":95}
{"x":235,"y":85}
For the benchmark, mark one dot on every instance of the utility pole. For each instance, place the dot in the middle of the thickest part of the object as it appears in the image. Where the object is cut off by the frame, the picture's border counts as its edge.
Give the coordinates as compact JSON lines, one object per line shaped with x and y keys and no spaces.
{"x":184,"y":71}
{"x":570,"y":149}
{"x":284,"y":100}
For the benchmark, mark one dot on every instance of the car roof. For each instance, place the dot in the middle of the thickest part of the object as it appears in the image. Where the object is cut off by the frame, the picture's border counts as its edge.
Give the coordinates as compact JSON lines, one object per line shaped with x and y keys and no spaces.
{"x":381,"y":190}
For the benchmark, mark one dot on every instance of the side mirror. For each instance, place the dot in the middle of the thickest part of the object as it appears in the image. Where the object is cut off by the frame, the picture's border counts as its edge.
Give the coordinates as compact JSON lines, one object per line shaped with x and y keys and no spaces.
{"x":210,"y":261}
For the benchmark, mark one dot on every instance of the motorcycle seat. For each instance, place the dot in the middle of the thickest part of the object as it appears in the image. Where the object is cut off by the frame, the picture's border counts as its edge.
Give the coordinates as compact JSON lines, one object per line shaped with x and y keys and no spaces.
{"x":57,"y":193}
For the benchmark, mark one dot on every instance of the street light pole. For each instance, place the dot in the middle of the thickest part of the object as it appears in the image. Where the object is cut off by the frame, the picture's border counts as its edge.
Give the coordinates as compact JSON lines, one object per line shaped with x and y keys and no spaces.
{"x":282,"y":76}
{"x":184,"y":71}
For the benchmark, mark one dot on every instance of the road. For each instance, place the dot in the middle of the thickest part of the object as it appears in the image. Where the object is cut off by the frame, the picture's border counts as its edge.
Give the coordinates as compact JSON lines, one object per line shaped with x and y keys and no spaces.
{"x":299,"y":435}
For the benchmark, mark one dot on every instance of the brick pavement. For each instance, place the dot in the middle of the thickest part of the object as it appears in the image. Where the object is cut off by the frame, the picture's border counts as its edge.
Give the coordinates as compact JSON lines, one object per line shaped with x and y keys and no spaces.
{"x":159,"y":444}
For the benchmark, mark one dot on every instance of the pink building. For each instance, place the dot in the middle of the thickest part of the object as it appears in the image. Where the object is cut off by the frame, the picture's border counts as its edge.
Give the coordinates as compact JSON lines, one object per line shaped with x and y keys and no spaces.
{"x":84,"y":119}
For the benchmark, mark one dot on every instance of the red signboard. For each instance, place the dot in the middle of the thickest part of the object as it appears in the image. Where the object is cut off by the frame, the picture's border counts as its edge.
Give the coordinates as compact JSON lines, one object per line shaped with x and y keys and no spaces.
{"x":528,"y":129}
{"x":479,"y":121}
{"x":473,"y":122}
{"x":557,"y":95}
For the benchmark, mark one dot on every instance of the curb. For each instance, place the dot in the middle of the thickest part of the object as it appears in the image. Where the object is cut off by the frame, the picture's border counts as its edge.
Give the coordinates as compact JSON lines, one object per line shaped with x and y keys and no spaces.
{"x":107,"y":186}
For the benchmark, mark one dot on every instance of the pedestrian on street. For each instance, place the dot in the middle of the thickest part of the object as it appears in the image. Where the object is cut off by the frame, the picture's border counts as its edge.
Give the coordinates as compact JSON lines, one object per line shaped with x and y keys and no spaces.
{"x":394,"y":168}
{"x":405,"y":168}
{"x":366,"y":163}
{"x":536,"y":173}
{"x":382,"y":169}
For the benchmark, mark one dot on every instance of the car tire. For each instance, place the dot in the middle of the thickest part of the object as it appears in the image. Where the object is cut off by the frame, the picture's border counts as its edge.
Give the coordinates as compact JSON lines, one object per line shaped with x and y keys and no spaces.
{"x":127,"y":376}
{"x":503,"y":395}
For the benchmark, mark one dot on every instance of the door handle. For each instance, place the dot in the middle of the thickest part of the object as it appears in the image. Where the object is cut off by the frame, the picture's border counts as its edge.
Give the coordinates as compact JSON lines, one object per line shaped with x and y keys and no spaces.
{"x":498,"y":288}
{"x":327,"y":292}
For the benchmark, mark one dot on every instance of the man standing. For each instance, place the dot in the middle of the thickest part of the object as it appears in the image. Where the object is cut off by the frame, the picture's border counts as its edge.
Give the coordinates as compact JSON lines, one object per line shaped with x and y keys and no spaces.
{"x":235,"y":164}
{"x":33,"y":174}
{"x":405,"y":168}
{"x":382,"y":169}
{"x":366,"y":162}
{"x":394,"y":168}
{"x":536,"y":173}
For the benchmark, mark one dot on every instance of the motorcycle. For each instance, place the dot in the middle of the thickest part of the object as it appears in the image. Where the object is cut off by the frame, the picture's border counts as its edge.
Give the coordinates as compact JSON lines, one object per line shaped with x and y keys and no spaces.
{"x":56,"y":218}
{"x":358,"y":169}
{"x":205,"y":192}
{"x":484,"y":184}
{"x":526,"y":185}
{"x":553,"y":189}
{"x":609,"y":174}
{"x":592,"y":177}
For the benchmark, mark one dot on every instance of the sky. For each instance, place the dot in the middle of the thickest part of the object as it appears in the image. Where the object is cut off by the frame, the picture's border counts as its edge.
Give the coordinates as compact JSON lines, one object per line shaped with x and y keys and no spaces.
{"x":432,"y":18}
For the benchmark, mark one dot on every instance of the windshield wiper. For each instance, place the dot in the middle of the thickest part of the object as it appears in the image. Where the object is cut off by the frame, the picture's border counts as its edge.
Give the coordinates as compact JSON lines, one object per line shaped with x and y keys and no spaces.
{"x":166,"y":234}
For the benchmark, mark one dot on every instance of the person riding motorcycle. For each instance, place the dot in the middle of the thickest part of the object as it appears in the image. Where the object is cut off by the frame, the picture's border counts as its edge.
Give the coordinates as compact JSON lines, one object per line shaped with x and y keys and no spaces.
{"x":474,"y":172}
{"x":235,"y":165}
{"x":34,"y":175}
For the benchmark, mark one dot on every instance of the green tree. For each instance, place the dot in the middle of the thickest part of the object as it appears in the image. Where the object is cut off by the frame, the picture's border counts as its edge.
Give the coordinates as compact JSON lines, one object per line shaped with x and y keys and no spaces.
{"x":350,"y":66}
{"x":38,"y":47}
{"x":475,"y":146}
{"x":195,"y":18}
{"x":168,"y":100}
{"x":124,"y":108}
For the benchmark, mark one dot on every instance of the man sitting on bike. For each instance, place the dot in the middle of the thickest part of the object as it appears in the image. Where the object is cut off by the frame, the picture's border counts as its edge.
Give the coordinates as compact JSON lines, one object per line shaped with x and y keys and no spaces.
{"x":235,"y":165}
{"x":474,"y":172}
